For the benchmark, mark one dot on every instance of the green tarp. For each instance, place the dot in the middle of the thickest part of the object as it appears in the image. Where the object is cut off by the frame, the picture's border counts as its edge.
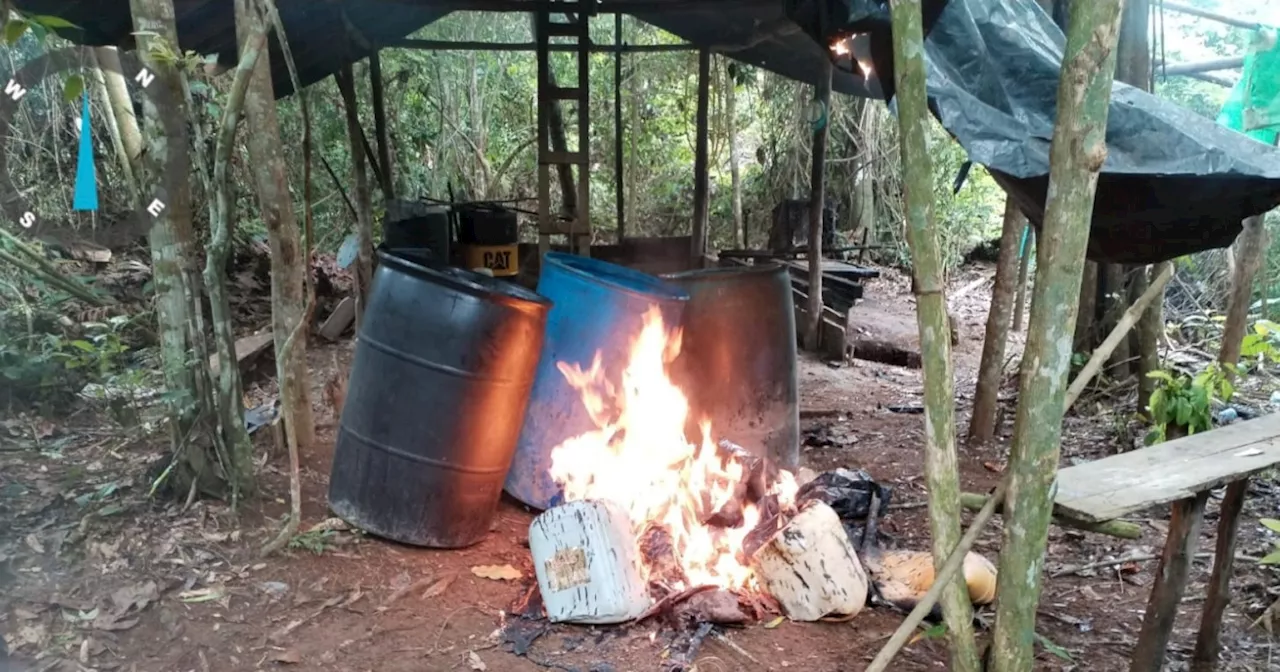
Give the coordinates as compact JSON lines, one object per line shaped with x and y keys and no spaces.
{"x":1253,"y":108}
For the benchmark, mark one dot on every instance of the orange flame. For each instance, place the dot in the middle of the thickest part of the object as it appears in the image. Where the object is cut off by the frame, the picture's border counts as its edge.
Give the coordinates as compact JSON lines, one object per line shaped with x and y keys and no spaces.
{"x":639,"y":458}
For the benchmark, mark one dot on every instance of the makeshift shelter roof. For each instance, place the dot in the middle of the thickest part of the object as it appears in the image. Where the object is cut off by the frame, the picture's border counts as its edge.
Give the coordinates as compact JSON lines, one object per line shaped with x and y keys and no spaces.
{"x":325,"y":35}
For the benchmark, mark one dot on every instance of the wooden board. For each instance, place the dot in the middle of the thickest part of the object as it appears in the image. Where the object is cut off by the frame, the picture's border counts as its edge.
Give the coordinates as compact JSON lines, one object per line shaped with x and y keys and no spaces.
{"x":1115,"y":486}
{"x":246,"y":349}
{"x":837,"y":267}
{"x":341,"y":318}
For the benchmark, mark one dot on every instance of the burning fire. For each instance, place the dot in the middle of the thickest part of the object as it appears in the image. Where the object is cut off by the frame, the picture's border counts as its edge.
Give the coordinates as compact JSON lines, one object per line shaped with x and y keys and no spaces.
{"x":639,"y":458}
{"x":842,"y":46}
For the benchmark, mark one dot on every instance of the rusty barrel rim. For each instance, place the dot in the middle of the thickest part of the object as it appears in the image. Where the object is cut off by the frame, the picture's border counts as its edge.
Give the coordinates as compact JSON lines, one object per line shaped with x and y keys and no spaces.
{"x":616,"y":277}
{"x":463,"y":280}
{"x":719,"y":272}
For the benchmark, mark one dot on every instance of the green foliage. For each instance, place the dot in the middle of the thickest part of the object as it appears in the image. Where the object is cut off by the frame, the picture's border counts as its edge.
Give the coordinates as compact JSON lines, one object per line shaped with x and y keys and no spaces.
{"x":48,"y":368}
{"x":1186,"y":402}
{"x":317,"y":542}
{"x":1272,"y":558}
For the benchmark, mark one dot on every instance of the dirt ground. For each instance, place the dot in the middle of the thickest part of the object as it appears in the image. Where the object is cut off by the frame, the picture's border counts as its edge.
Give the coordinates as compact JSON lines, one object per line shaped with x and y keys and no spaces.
{"x":94,"y":575}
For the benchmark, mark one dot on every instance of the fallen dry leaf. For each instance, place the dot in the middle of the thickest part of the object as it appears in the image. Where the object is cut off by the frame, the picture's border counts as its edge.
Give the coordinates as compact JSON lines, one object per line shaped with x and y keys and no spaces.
{"x":775,"y":623}
{"x":436,"y":589}
{"x":497,"y":572}
{"x":473,"y":660}
{"x":330,"y":525}
{"x":993,"y":467}
{"x":25,"y":614}
{"x":287,"y":657}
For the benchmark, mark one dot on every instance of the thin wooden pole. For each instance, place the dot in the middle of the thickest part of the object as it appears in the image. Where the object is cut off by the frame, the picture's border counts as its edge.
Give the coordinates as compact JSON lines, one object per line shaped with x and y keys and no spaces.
{"x":817,"y":199}
{"x":1076,"y":156}
{"x":1206,"y":14}
{"x":380,"y":126}
{"x":619,"y":194}
{"x":941,"y":468}
{"x":700,"y":186}
{"x":460,"y":45}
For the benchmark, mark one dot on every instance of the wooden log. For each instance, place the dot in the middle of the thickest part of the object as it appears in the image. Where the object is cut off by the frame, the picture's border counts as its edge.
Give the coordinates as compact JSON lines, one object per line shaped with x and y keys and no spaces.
{"x":810,"y":567}
{"x":1114,"y":528}
{"x":1208,"y":640}
{"x":1170,"y":583}
{"x":587,"y":565}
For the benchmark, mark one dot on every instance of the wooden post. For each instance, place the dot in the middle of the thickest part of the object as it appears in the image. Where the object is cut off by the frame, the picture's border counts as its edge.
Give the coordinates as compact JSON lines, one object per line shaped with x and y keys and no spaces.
{"x":982,"y":423}
{"x":1208,"y":641}
{"x":380,"y":126}
{"x":700,"y":179}
{"x":817,"y":199}
{"x":1076,"y":156}
{"x":1170,"y":583}
{"x":1249,"y":255}
{"x":1024,"y":270}
{"x":1114,"y":304}
{"x":941,"y":471}
{"x":619,"y":194}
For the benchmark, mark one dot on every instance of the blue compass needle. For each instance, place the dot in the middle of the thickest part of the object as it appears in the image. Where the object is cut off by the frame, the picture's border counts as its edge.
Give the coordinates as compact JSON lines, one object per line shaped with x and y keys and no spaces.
{"x":86,"y":196}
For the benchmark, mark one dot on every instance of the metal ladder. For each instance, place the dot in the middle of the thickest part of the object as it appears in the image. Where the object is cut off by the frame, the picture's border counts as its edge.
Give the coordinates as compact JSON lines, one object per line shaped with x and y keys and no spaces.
{"x":578,"y":229}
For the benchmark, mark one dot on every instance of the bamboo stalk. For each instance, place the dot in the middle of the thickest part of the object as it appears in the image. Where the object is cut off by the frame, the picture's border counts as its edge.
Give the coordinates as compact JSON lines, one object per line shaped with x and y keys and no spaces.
{"x":940,"y":464}
{"x":1117,"y":335}
{"x":1076,"y":156}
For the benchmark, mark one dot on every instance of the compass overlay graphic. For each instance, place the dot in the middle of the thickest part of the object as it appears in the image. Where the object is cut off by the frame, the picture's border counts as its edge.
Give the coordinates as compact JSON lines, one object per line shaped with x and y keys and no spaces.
{"x":144,"y":87}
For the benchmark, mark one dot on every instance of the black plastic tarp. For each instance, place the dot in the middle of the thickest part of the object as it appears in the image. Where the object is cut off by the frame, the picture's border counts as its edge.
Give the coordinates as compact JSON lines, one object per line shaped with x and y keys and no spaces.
{"x":1173,"y":183}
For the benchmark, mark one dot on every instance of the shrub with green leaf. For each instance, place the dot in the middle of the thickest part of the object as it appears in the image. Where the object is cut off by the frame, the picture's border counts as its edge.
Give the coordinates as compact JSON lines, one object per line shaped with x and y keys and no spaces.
{"x":1272,"y":558}
{"x":1185,"y":403}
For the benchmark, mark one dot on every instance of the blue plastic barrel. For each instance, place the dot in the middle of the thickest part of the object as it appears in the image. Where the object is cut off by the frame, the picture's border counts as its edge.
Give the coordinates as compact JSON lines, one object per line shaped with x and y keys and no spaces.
{"x":596,"y":306}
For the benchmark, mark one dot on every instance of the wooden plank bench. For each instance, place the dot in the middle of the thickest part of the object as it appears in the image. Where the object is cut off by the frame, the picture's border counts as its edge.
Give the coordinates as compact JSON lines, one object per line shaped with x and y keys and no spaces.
{"x":1180,"y":472}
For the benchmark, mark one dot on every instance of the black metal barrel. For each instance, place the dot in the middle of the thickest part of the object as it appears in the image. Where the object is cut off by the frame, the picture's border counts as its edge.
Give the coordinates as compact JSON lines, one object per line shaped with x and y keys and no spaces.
{"x":437,"y":395}
{"x":737,"y":362}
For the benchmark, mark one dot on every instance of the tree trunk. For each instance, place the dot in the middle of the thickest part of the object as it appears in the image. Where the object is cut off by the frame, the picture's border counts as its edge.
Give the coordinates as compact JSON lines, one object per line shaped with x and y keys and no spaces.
{"x":1085,"y":323}
{"x":817,"y":198}
{"x":1076,"y":155}
{"x":360,"y":176}
{"x":1250,"y":247}
{"x":700,"y":181}
{"x":171,"y":235}
{"x":735,"y":174}
{"x":126,"y":122}
{"x":114,"y":130}
{"x":229,"y":396}
{"x":380,"y":128}
{"x":288,"y":263}
{"x":982,"y":425}
{"x":942,"y":474}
